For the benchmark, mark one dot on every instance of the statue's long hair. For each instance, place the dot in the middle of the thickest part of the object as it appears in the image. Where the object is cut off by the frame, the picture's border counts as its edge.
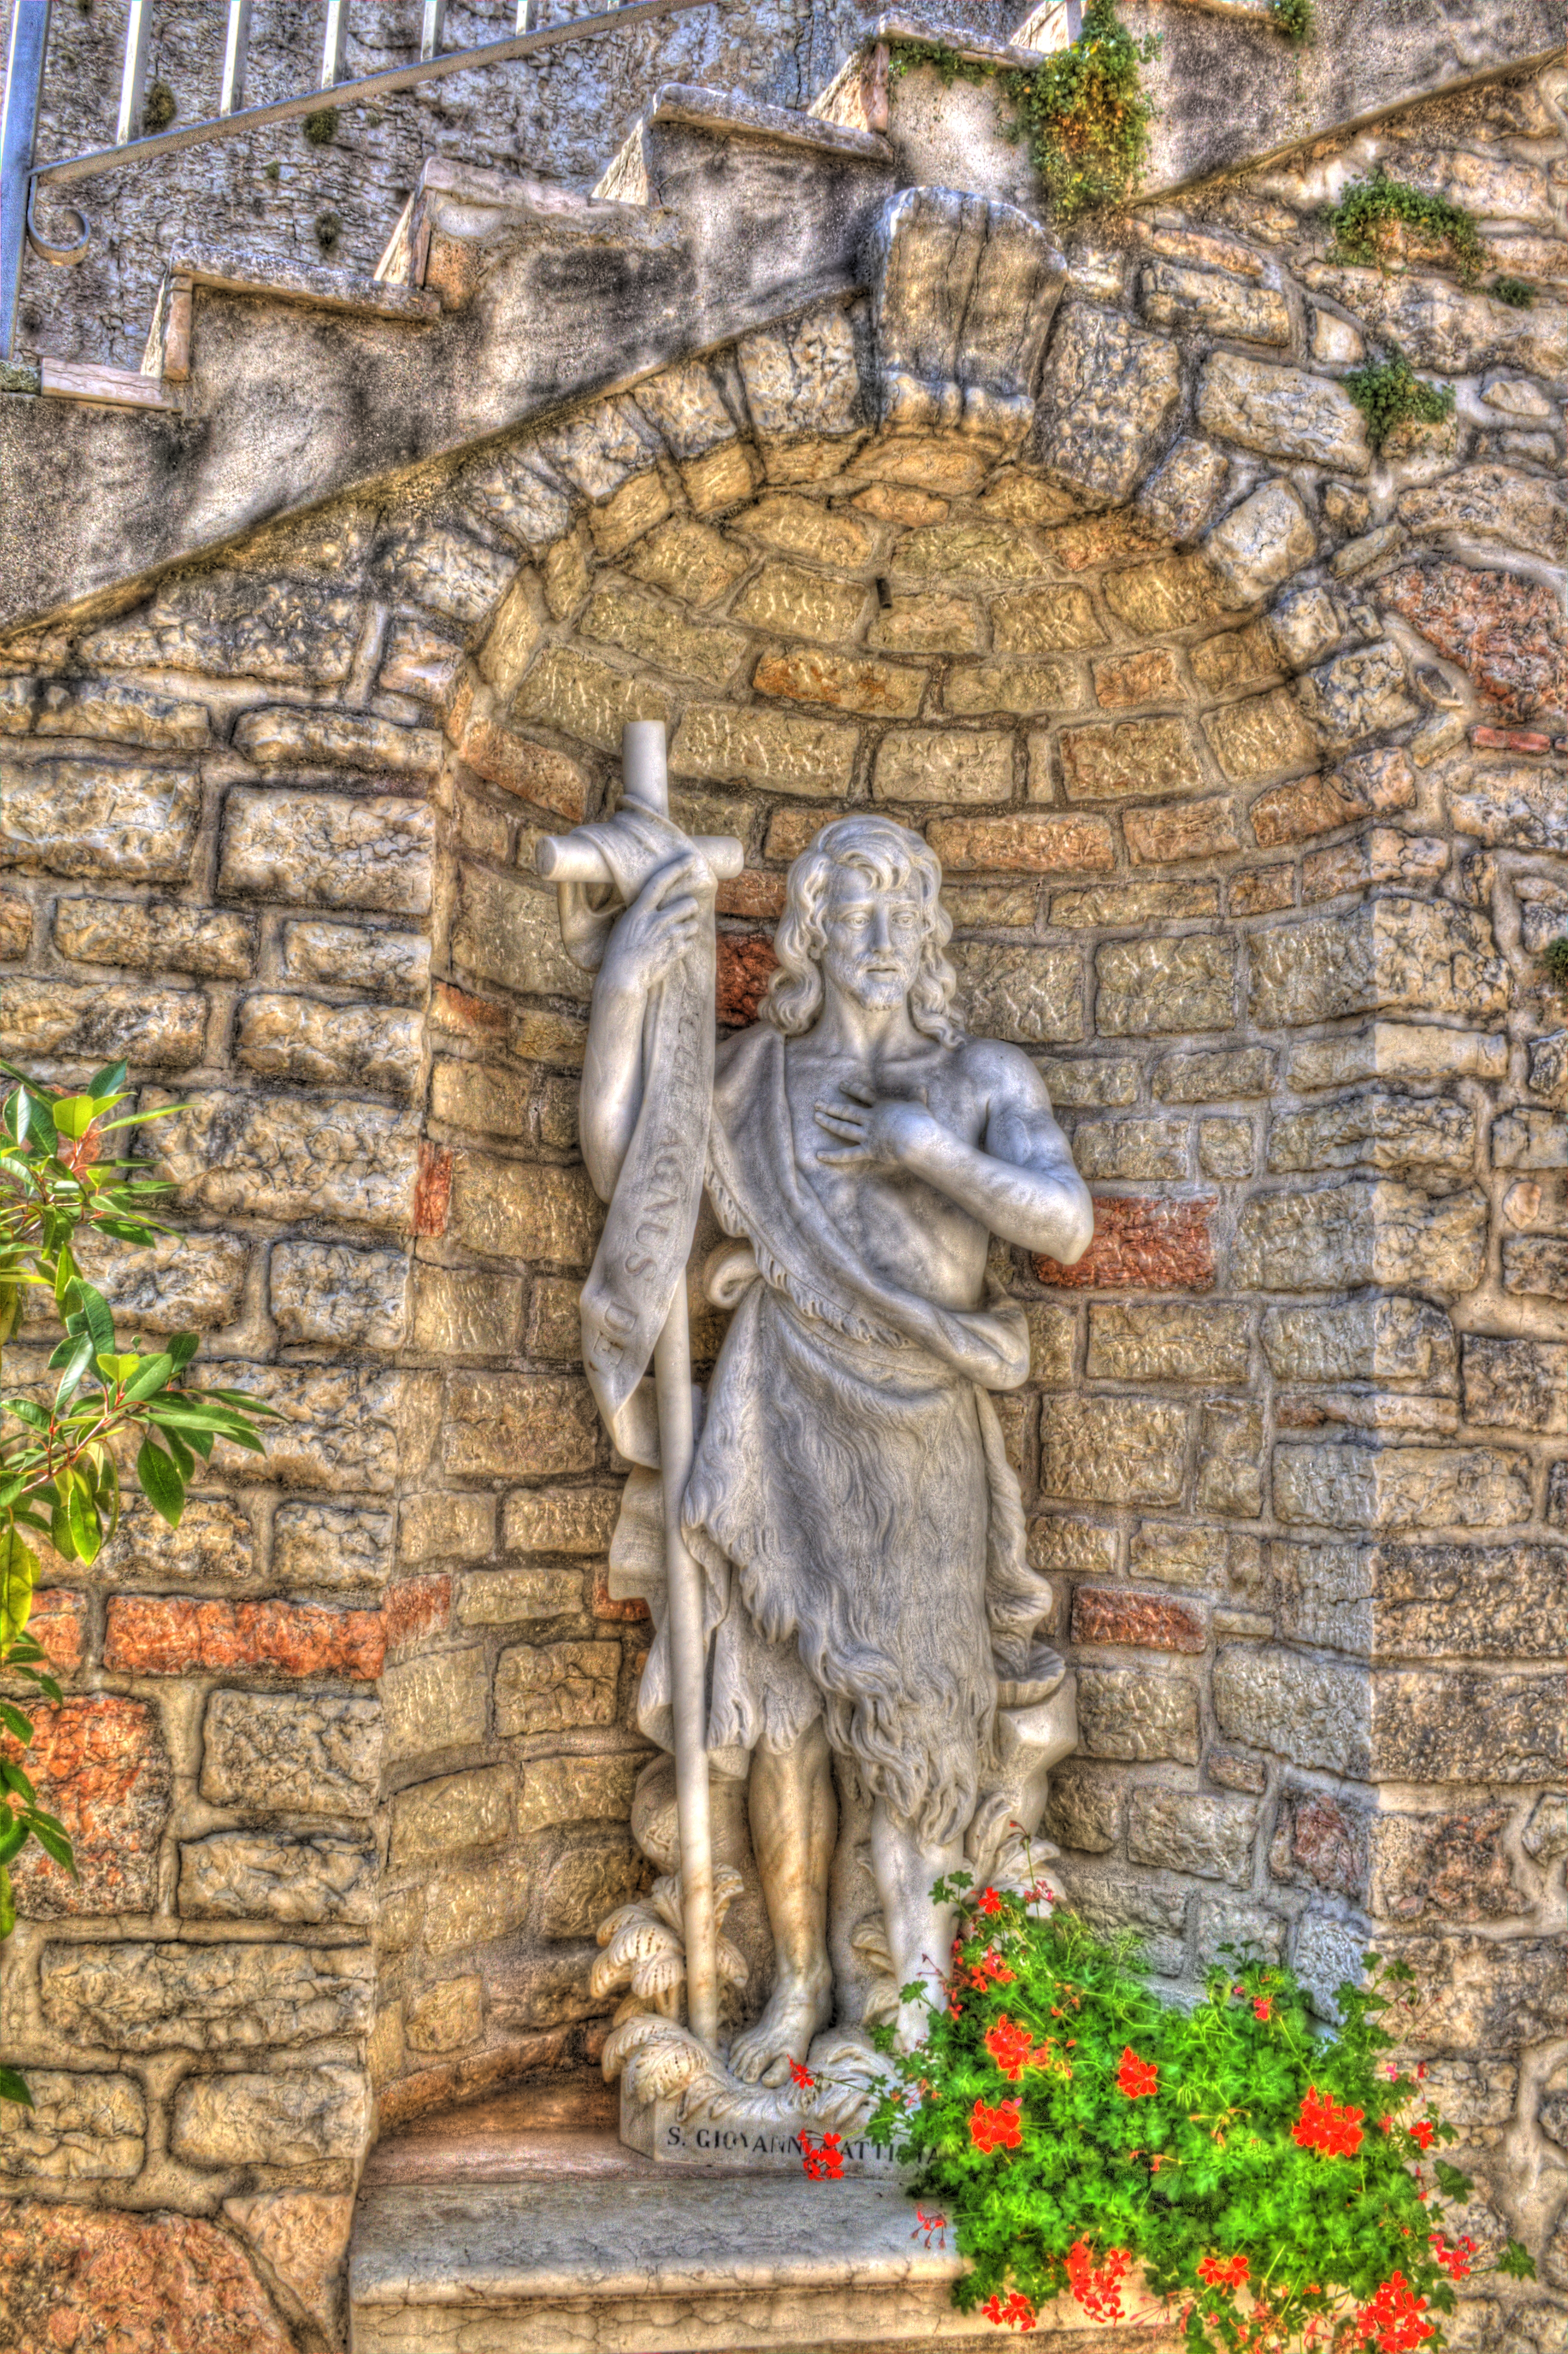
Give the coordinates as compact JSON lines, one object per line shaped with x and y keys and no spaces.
{"x":893,"y":859}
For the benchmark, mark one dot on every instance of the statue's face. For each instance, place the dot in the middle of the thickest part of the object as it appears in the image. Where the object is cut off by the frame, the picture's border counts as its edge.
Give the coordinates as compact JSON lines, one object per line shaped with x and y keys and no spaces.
{"x":873,"y":938}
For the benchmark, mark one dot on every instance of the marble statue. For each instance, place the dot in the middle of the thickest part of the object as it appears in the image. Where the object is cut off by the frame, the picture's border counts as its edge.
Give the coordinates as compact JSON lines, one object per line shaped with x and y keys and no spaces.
{"x":854,"y":1528}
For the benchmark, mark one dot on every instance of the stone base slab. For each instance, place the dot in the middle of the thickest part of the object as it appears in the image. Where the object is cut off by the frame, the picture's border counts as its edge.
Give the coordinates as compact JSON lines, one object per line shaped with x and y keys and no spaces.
{"x":664,"y":2264}
{"x":682,"y":2134}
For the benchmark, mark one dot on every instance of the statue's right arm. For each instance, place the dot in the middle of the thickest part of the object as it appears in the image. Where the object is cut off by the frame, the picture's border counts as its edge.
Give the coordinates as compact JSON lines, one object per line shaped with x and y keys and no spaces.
{"x":659,"y":929}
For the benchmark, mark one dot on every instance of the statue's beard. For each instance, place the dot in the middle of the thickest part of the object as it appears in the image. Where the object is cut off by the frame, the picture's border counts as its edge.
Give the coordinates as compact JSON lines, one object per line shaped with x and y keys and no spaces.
{"x":875,"y":993}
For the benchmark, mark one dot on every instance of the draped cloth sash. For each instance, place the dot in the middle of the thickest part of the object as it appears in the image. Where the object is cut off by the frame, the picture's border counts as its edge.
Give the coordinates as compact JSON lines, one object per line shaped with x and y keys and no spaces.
{"x":652,"y":1213}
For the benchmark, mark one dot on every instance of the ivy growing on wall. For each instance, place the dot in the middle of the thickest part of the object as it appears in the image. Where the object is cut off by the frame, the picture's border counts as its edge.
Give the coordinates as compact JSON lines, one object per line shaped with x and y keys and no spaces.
{"x":1083,"y":110}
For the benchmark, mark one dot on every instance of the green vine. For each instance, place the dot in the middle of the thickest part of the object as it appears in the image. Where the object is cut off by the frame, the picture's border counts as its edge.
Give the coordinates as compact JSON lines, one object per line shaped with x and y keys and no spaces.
{"x":1294,"y":19}
{"x":1519,"y":294}
{"x":1372,"y":219}
{"x":1389,"y":393}
{"x":1083,"y":110}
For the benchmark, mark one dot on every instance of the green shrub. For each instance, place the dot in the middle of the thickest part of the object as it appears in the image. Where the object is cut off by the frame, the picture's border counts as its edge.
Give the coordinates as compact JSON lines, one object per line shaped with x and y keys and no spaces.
{"x":58,"y":1459}
{"x":1083,"y":110}
{"x":1390,"y":392}
{"x":1069,"y":2127}
{"x":1519,"y":294}
{"x":319,"y":127}
{"x":1294,"y":19}
{"x":1368,"y":221}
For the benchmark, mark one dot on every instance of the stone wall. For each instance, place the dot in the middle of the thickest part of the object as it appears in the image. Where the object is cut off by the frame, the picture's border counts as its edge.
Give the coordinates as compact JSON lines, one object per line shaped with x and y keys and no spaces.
{"x":1242,"y":752}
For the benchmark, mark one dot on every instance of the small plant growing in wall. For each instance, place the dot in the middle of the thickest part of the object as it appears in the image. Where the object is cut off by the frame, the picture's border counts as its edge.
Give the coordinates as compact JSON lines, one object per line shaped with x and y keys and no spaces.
{"x":1380,"y":220}
{"x":1554,"y":961}
{"x":159,"y":109}
{"x":1389,"y":393}
{"x":1254,"y":2184}
{"x":1083,"y":110}
{"x":62,"y":1449}
{"x":1519,"y":294}
{"x":319,"y":128}
{"x":1294,"y":19}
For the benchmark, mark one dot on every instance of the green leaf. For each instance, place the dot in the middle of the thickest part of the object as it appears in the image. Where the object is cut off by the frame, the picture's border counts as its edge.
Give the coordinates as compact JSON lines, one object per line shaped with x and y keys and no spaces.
{"x":95,"y":1308}
{"x":108,"y":1082}
{"x":60,"y":1536}
{"x":7,"y":1923}
{"x":160,"y":1482}
{"x":19,"y":1575}
{"x":75,"y":1365}
{"x":13,"y":1779}
{"x":18,"y":1726}
{"x":155,"y":1373}
{"x":10,"y":1308}
{"x":55,"y":1844}
{"x":13,"y":1838}
{"x":74,"y":1115}
{"x":182,"y":1348}
{"x":1517,"y":2261}
{"x":12,"y":2086}
{"x":81,"y":1512}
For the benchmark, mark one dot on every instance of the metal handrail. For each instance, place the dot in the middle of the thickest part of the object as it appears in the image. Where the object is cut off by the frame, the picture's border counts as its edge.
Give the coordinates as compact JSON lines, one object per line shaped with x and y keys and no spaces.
{"x":20,"y":179}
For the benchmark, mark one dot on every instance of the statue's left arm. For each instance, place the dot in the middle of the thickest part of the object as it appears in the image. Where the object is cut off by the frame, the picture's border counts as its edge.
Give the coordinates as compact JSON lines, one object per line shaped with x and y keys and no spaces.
{"x":1019,"y":1181}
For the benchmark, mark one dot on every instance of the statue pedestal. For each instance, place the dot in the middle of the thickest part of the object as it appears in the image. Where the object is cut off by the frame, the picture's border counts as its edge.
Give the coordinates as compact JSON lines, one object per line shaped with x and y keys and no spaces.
{"x":700,"y":2140}
{"x":477,"y":2233}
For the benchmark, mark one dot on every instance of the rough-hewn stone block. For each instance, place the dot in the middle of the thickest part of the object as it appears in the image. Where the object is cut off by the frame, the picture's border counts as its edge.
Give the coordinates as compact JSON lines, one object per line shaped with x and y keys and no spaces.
{"x":1425,"y":1601}
{"x":1142,"y":1243}
{"x":1358,"y":694}
{"x":156,"y":1029}
{"x":152,"y":1996}
{"x":327,"y":850}
{"x":1397,"y":955}
{"x":1152,"y":1622}
{"x":1492,"y":502}
{"x":773,"y":749}
{"x":1163,"y":1342}
{"x":288,"y":632}
{"x":1024,"y":843}
{"x":578,"y":1789}
{"x":941,"y":625}
{"x":445,"y":1818}
{"x":1515,"y":1384}
{"x":293,"y":2117}
{"x":439,"y":1701}
{"x":1258,"y":736}
{"x":943,"y":764}
{"x":560,"y":1520}
{"x":587,"y":1883}
{"x":283,"y":738}
{"x":809,"y":674}
{"x":555,"y":1687}
{"x":1401,"y":1487}
{"x":1431,"y":1143}
{"x":1106,"y":395}
{"x":319,"y":1755}
{"x":448,"y":572}
{"x":313,"y":1044}
{"x":1261,"y":543}
{"x":1190,"y":831}
{"x":1083,"y":1811}
{"x":1186,"y":1831}
{"x":508,"y":930}
{"x":1430,"y":1725}
{"x":81,"y":2128}
{"x":275,"y":1876}
{"x":1366,"y":1339}
{"x":101,"y":1767}
{"x":1131,"y":1148}
{"x":1106,"y":906}
{"x":1517,"y":807}
{"x":1535,"y":1267}
{"x":1024,"y":688}
{"x":1214,"y":300}
{"x":1359,"y":1233}
{"x":93,"y":817}
{"x":332,"y":1547}
{"x":1311,"y":1712}
{"x":1035,"y":995}
{"x":1136,"y":757}
{"x":154,"y":936}
{"x":1112,"y":1450}
{"x":1283,"y":412}
{"x":524,"y":1209}
{"x":1030,"y":621}
{"x":1137,"y":1713}
{"x":1150,"y":987}
{"x":174,"y":1635}
{"x":326,"y":1291}
{"x":515,"y":1425}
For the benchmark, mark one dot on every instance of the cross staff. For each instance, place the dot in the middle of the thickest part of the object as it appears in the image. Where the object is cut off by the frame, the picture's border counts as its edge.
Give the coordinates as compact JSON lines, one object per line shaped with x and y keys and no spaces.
{"x":638,"y":1274}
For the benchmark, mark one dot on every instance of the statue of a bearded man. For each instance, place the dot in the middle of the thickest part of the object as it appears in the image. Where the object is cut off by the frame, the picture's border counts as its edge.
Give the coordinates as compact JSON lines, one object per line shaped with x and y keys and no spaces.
{"x":851,"y":1502}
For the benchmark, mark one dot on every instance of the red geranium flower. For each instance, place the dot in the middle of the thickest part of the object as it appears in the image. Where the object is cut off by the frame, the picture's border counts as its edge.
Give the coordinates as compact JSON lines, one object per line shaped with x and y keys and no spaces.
{"x":1326,"y":2126}
{"x":1422,"y":2132}
{"x":1137,"y":2078}
{"x":1009,"y":2047}
{"x":822,"y":2160}
{"x":998,"y":2128}
{"x":801,"y":2078}
{"x":1455,"y":2261}
{"x":1097,"y":2287}
{"x":988,"y":1901}
{"x":1228,"y":2272}
{"x":1016,"y":2313}
{"x":1262,"y":2007}
{"x":1392,"y":2322}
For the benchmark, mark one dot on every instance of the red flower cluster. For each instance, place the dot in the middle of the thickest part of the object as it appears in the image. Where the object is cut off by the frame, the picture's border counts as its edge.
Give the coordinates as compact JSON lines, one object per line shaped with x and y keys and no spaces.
{"x":1324,"y":2126}
{"x":1422,"y":2131}
{"x":988,"y":1901}
{"x":1455,"y":2261}
{"x":1223,"y":2272}
{"x":823,"y":2160}
{"x":990,"y":1969}
{"x":1097,"y":2288}
{"x":1392,"y":2322}
{"x":1137,"y":2078}
{"x":1012,"y":2048}
{"x":998,"y":2128}
{"x":1262,"y":2007}
{"x":930,"y":2224}
{"x":801,"y":2078}
{"x":1016,"y":2313}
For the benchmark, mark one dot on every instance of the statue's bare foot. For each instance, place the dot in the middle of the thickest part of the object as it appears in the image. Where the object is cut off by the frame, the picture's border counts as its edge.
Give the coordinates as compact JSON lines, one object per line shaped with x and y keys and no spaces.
{"x":798,"y":2009}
